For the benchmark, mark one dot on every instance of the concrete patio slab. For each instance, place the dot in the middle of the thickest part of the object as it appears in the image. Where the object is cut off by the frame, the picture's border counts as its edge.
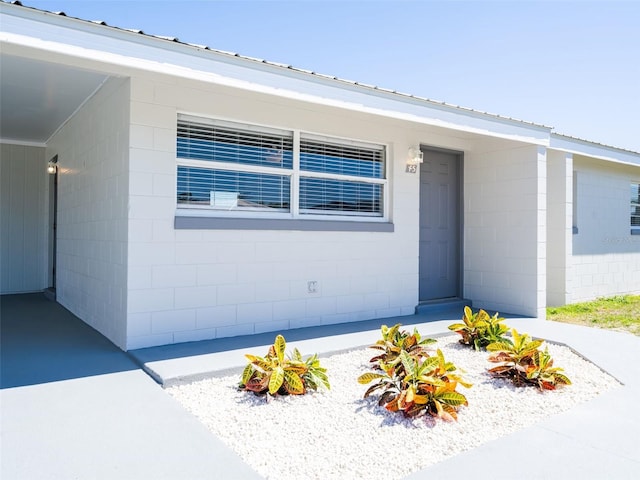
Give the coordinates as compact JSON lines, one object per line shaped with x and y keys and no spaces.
{"x":186,"y":362}
{"x":595,"y":440}
{"x":74,"y":406}
{"x":533,"y":454}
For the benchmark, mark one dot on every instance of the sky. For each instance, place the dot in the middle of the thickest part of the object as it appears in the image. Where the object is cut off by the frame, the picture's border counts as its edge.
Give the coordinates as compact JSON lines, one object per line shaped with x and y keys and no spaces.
{"x":571,"y":65}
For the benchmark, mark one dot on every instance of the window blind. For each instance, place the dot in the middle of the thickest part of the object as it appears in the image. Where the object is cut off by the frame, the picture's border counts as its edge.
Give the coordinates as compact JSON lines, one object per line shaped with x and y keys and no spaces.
{"x":635,"y":205}
{"x":341,"y":159}
{"x":231,"y":190}
{"x":321,"y":195}
{"x":233,"y":166}
{"x":219,"y":143}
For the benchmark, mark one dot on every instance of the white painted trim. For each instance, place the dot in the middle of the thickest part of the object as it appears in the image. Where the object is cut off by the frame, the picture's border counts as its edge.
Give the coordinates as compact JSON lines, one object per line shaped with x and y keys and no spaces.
{"x":589,"y":149}
{"x":231,"y":122}
{"x":168,"y":43}
{"x":103,"y":48}
{"x":344,"y":178}
{"x":233,"y":167}
{"x":234,"y":125}
{"x":294,"y":201}
{"x":337,"y":140}
{"x":23,"y":143}
{"x":84,"y":102}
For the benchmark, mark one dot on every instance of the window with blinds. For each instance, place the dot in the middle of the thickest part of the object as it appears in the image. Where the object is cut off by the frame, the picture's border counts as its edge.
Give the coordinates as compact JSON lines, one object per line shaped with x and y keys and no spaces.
{"x":225,"y":166}
{"x":231,"y":166}
{"x":635,"y":206}
{"x":353,"y":160}
{"x":225,"y":143}
{"x":341,"y":178}
{"x":230,"y":190}
{"x":321,"y":195}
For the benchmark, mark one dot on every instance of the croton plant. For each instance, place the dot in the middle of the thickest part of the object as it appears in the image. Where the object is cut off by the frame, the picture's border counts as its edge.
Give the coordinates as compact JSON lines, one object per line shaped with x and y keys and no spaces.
{"x":412,"y":381}
{"x":281,"y":374}
{"x":521,"y":361}
{"x":480,"y":329}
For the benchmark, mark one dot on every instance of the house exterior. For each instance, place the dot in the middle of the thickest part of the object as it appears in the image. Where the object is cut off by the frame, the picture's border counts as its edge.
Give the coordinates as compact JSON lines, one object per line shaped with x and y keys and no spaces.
{"x":198,"y":194}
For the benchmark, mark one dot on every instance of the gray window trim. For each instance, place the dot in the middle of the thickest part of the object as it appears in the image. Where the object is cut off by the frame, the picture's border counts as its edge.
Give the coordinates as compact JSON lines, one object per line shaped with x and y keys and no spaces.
{"x":234,"y":223}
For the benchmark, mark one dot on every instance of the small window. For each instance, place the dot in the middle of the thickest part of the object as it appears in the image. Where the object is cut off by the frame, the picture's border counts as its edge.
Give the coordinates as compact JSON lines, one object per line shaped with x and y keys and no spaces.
{"x":635,"y":209}
{"x":224,"y":166}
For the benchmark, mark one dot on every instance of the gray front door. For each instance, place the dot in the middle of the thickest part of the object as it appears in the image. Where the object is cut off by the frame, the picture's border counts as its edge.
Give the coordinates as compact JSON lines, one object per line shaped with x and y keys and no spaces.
{"x":439,"y":225}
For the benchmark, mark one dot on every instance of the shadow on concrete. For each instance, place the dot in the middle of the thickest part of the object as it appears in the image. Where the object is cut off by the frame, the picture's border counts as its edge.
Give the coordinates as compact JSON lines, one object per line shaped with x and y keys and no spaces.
{"x":41,"y":342}
{"x":203,"y":347}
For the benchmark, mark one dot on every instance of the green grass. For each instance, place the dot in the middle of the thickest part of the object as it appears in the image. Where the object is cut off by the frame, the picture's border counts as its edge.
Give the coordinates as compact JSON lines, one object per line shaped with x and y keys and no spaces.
{"x":617,"y":313}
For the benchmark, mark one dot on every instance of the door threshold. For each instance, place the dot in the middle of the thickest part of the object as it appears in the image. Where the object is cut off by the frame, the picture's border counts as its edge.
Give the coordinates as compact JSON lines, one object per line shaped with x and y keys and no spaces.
{"x":429,"y":306}
{"x":50,"y":293}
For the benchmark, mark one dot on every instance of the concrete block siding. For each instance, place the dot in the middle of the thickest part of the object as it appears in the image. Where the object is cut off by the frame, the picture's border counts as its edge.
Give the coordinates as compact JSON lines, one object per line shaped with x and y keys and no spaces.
{"x":503,"y":253}
{"x":125,"y":269}
{"x":606,"y":257}
{"x":559,"y":227}
{"x":92,"y":149}
{"x":23,"y":224}
{"x":194,"y":284}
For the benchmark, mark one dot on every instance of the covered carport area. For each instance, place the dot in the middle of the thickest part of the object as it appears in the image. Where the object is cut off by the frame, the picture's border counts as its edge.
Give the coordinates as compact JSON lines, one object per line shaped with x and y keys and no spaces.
{"x":36,"y":99}
{"x":61,"y":118}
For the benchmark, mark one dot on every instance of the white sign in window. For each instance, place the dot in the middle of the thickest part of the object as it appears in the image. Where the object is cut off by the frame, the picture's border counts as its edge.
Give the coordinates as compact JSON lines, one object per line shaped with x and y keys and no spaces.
{"x":224,"y":199}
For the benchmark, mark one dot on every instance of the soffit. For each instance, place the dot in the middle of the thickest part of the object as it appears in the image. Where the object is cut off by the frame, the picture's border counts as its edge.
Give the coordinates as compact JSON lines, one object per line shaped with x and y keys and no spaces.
{"x":97,"y":41}
{"x":37,"y":97}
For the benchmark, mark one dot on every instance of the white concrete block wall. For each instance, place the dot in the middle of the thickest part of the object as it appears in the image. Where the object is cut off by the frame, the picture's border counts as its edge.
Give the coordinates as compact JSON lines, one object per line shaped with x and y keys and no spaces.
{"x":93,"y":149}
{"x":505,"y":229}
{"x":23,"y":218}
{"x":195,"y":284}
{"x":559,"y":227}
{"x":606,"y":257}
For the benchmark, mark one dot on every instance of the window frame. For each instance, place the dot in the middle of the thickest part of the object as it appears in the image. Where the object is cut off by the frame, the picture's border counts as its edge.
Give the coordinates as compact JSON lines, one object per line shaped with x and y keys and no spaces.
{"x":294,"y":173}
{"x":312,"y":174}
{"x":574,"y":203}
{"x":240,"y":128}
{"x":634,"y":229}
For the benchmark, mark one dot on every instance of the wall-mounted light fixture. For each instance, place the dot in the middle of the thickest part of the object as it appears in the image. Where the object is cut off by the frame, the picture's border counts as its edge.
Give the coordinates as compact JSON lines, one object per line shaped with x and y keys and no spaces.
{"x":52,"y":166}
{"x":414,"y":156}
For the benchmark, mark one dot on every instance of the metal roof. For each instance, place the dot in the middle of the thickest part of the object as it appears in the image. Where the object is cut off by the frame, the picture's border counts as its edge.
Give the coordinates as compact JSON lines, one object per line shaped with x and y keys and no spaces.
{"x":286,"y":67}
{"x":317,"y":74}
{"x":591,"y":142}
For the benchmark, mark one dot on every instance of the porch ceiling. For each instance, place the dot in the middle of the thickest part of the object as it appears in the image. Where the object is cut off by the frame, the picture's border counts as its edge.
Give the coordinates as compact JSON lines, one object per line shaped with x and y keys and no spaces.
{"x":37,"y":97}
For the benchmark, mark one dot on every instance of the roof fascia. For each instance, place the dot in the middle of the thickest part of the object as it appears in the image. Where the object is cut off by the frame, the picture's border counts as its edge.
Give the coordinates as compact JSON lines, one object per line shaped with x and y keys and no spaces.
{"x":94,"y":42}
{"x":589,"y":149}
{"x":23,"y":143}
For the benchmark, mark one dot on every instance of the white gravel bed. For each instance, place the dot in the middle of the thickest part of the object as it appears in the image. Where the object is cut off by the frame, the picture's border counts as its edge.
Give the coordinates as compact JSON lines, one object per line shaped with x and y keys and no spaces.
{"x":337,"y":434}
